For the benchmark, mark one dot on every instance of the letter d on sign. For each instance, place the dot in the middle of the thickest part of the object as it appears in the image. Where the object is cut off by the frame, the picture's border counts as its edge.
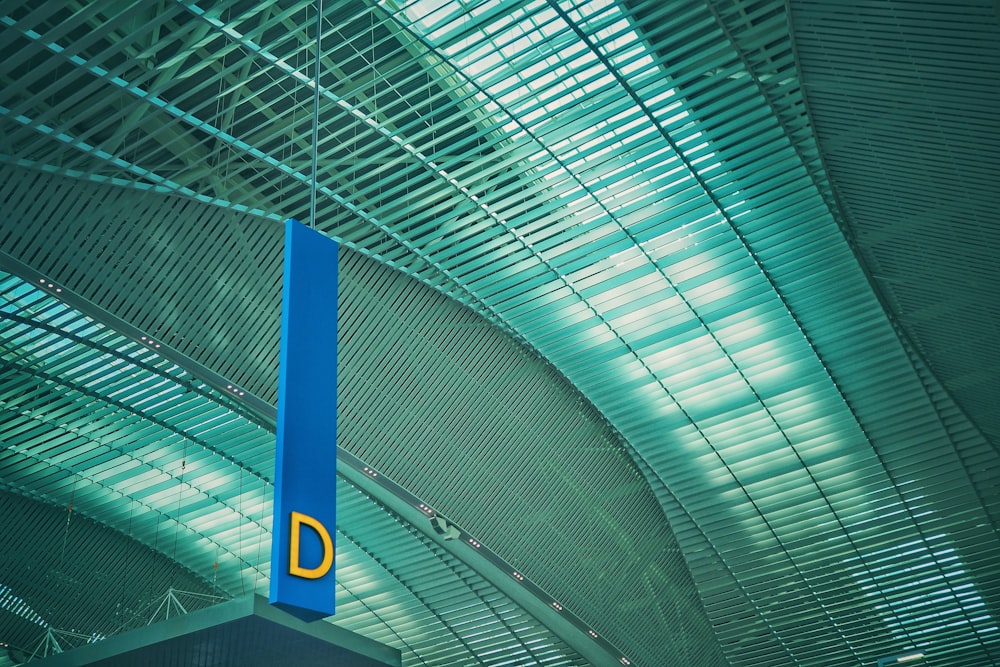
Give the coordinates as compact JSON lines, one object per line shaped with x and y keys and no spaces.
{"x":294,"y":566}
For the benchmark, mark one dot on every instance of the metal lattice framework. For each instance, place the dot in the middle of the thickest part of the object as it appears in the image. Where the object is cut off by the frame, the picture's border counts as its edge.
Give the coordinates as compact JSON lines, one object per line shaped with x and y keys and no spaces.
{"x":682,"y":313}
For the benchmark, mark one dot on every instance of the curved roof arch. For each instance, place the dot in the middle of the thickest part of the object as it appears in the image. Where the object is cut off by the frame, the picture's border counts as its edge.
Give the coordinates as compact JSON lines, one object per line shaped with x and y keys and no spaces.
{"x":631,"y":293}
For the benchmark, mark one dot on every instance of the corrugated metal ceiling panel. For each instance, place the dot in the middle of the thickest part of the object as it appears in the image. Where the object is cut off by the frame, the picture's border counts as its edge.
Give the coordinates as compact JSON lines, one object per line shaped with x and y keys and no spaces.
{"x":902,"y":95}
{"x":632,"y":188}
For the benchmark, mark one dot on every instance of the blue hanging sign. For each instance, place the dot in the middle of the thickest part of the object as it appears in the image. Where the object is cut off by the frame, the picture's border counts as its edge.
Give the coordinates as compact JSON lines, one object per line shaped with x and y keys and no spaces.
{"x":305,"y":471}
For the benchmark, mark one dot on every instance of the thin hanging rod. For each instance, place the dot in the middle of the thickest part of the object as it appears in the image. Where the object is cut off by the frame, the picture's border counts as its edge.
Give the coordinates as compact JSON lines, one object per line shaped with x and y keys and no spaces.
{"x":315,"y":128}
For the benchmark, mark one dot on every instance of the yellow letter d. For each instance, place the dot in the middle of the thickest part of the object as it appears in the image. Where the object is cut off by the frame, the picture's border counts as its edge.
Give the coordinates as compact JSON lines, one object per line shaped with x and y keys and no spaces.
{"x":293,"y":561}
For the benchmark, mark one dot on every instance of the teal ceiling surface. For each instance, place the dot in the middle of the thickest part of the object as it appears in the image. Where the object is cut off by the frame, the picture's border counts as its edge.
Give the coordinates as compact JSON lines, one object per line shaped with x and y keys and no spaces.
{"x":902,"y":97}
{"x":684,"y":311}
{"x":172,"y":468}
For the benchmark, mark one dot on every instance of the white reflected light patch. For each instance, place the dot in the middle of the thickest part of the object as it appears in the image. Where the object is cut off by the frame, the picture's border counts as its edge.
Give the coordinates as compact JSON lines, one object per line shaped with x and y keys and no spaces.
{"x":18,"y":607}
{"x":922,"y":591}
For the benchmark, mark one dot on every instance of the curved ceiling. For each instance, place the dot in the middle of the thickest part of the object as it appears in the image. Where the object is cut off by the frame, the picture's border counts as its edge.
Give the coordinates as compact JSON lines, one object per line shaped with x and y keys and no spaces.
{"x":149,"y":442}
{"x":636,"y":294}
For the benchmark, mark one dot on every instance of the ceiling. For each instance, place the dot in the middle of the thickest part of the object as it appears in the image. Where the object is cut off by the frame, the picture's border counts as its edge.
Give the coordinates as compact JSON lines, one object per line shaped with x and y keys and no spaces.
{"x":684,"y":316}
